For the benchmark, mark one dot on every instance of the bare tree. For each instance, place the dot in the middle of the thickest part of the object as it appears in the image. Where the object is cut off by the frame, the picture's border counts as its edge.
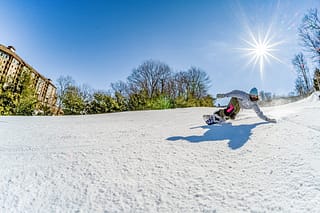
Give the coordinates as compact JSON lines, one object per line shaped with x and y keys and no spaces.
{"x":299,"y":86}
{"x":302,"y":70}
{"x":198,"y":82}
{"x":121,"y":88}
{"x":309,"y":32}
{"x":63,"y":83}
{"x":181,"y":83}
{"x":150,"y":77}
{"x":191,"y":83}
{"x":316,"y":80}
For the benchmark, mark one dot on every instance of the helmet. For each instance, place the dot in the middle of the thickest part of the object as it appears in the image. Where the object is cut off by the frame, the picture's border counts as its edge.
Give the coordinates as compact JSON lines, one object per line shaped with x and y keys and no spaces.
{"x":254,"y":91}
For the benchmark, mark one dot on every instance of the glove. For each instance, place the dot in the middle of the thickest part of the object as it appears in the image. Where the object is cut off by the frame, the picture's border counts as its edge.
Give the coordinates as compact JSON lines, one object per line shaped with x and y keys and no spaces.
{"x":220,"y":95}
{"x":272,"y":120}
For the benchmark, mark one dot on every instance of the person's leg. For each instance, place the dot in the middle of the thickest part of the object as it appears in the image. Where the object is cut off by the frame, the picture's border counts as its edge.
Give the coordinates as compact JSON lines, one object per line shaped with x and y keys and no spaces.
{"x":234,"y":108}
{"x":224,"y":114}
{"x":220,"y":113}
{"x":216,"y":117}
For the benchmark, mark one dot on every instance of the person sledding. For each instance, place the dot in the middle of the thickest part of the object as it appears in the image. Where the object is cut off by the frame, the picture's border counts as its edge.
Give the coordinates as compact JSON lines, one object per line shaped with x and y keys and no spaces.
{"x":239,"y":99}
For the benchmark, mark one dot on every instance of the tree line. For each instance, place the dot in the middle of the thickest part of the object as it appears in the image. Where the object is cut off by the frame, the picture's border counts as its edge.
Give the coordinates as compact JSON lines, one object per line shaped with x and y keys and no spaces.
{"x":152,"y":85}
{"x":309,"y":35}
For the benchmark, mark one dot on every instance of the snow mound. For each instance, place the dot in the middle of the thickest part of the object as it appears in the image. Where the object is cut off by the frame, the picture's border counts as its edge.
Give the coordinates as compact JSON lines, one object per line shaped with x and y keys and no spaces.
{"x":314,"y":97}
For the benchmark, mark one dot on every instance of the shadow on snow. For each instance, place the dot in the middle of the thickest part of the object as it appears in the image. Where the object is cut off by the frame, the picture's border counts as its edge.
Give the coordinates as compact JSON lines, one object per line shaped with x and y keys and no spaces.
{"x":236,"y":135}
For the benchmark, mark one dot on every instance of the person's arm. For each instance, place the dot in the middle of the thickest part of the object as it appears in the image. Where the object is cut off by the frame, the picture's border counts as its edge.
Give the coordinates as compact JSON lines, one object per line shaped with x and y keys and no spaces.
{"x":234,"y":93}
{"x":261,"y":115}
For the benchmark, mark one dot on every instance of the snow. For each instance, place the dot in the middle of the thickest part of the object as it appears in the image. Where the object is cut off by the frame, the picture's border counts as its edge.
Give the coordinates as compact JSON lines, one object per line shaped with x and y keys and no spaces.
{"x":163,"y":161}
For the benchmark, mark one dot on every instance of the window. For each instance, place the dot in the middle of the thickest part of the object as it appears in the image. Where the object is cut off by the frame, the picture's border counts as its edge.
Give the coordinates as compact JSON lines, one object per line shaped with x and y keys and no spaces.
{"x":3,"y":55}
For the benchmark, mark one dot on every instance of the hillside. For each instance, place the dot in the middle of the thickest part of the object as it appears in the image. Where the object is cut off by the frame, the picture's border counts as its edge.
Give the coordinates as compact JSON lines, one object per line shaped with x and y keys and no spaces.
{"x":163,"y":161}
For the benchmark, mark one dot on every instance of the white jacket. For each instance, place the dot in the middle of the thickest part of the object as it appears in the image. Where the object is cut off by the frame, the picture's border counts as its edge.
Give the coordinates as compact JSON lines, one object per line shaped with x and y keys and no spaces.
{"x":246,"y":103}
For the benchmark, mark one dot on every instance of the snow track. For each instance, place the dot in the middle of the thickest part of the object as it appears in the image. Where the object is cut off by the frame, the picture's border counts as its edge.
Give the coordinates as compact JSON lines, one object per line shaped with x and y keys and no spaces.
{"x":162,"y":161}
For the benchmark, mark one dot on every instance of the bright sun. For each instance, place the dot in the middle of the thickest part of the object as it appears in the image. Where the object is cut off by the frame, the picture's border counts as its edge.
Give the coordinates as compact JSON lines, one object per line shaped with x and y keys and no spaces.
{"x":260,"y":51}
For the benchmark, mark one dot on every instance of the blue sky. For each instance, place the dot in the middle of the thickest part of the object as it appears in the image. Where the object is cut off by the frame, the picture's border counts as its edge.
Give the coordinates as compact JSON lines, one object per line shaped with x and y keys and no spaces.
{"x":98,"y":42}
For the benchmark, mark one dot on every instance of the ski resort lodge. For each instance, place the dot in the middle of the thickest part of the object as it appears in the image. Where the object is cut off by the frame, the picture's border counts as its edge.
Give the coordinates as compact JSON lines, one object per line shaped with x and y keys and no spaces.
{"x":11,"y":66}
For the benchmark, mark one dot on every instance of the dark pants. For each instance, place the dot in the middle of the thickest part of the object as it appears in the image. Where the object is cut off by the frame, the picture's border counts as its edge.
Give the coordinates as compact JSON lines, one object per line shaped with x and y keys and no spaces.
{"x":231,"y":111}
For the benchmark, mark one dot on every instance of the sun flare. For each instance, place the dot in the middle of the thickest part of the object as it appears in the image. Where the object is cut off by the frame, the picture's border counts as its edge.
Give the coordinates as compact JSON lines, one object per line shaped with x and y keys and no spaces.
{"x":261,"y":50}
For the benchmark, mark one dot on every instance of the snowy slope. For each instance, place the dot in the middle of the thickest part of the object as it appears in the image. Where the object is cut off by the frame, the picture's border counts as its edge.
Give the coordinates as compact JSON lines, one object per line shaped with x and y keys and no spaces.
{"x":162,"y":161}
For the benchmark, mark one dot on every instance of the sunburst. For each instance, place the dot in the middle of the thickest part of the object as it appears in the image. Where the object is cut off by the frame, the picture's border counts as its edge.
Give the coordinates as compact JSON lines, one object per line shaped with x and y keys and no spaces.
{"x":261,"y":50}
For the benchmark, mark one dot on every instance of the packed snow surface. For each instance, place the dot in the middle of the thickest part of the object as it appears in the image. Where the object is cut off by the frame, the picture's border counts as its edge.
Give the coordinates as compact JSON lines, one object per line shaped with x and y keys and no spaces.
{"x":163,"y":161}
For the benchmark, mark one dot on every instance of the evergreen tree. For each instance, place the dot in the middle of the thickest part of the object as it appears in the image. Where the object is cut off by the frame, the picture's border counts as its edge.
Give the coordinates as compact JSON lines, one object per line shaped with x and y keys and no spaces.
{"x":138,"y":101}
{"x":27,"y":99}
{"x":121,"y":102}
{"x":7,"y":98}
{"x":72,"y":102}
{"x":103,"y":103}
{"x":18,"y":98}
